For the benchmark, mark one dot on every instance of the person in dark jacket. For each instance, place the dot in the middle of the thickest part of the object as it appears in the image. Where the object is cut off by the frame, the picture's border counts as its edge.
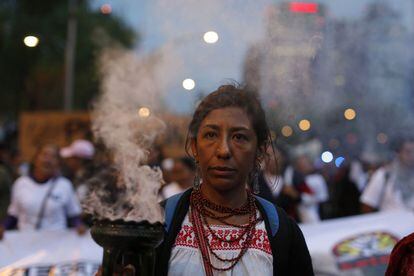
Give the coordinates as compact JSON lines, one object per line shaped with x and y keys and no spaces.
{"x":219,"y":227}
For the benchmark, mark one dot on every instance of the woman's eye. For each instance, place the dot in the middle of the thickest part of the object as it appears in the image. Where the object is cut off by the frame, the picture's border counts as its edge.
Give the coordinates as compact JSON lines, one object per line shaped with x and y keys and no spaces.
{"x":210,"y":135}
{"x":240,"y":137}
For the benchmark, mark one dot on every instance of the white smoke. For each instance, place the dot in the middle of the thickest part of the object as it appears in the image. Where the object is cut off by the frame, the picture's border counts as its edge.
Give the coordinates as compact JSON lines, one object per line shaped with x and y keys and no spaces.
{"x":129,"y":84}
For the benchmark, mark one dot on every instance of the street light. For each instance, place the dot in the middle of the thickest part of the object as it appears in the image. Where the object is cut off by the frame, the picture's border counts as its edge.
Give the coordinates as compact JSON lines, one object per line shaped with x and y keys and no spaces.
{"x":174,"y":43}
{"x":188,"y":84}
{"x":304,"y":125}
{"x":211,"y":37}
{"x":30,"y":41}
{"x":287,"y":131}
{"x":349,"y":114}
{"x":327,"y":156}
{"x":144,"y":112}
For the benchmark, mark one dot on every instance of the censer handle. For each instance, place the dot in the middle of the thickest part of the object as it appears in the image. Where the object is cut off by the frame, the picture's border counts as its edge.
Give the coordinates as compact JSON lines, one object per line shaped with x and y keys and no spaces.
{"x":109,"y":261}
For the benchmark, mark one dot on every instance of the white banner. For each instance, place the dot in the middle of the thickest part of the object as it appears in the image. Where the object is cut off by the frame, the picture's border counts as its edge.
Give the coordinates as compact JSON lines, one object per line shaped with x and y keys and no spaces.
{"x":357,"y":245}
{"x":48,"y":253}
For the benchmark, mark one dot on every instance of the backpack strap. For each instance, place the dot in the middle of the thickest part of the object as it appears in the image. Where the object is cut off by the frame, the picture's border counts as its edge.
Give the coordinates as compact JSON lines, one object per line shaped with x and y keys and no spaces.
{"x":271,"y":213}
{"x":169,"y":210}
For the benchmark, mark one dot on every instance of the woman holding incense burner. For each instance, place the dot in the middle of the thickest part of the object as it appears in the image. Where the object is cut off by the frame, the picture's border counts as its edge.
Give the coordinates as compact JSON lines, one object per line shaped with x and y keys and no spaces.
{"x":219,"y":227}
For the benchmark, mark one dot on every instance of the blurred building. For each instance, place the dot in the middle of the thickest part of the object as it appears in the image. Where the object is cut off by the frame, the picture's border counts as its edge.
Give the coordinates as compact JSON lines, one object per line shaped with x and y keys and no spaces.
{"x":373,"y":73}
{"x":283,"y":66}
{"x":311,"y":66}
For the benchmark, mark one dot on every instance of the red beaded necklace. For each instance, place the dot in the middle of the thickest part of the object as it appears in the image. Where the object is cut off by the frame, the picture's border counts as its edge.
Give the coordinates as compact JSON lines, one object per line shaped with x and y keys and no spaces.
{"x":201,"y":209}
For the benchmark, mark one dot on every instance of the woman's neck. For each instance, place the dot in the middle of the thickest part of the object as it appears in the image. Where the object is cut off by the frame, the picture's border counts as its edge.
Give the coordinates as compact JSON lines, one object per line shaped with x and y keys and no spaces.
{"x":39,"y":177}
{"x":233,"y":198}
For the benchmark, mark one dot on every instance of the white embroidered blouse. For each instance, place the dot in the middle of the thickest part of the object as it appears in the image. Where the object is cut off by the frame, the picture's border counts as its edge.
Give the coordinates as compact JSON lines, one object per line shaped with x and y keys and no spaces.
{"x":186,"y":259}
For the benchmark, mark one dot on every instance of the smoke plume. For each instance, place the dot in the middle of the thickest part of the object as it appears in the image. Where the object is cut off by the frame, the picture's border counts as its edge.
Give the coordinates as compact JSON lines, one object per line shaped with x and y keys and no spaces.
{"x":124,"y":119}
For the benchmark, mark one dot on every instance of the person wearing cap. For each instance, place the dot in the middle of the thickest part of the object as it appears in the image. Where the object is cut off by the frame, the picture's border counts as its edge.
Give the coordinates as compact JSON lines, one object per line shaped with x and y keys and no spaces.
{"x":391,"y":187}
{"x":78,"y":161}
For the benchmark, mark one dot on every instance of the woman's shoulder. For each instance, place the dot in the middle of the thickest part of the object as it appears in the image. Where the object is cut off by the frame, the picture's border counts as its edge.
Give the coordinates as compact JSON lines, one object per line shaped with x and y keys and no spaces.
{"x":22,"y":180}
{"x":64,"y":183}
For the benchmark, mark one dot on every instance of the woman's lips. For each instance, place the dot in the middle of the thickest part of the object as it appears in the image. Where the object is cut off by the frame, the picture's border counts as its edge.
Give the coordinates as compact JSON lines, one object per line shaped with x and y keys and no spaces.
{"x":222,"y":171}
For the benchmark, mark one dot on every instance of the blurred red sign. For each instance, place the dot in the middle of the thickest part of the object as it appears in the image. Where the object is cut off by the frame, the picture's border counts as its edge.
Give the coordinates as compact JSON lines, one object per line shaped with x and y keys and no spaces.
{"x":300,"y":7}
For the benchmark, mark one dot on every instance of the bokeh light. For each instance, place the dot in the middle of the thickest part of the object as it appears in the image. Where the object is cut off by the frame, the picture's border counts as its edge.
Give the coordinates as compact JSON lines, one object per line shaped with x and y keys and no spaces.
{"x":31,"y":41}
{"x":327,"y":156}
{"x":382,"y":138}
{"x":210,"y":37}
{"x":287,"y":131}
{"x":304,"y":125}
{"x":349,"y":114}
{"x":338,"y":161}
{"x":106,"y":9}
{"x":144,"y":112}
{"x":188,"y":84}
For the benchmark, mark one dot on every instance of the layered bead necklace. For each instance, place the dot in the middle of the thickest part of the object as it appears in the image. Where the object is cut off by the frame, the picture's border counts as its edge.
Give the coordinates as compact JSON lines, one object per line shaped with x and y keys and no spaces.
{"x":202,"y":208}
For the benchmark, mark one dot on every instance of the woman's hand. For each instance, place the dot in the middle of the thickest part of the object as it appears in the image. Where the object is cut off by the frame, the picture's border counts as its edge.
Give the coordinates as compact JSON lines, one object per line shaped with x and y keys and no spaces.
{"x":81,"y":229}
{"x":99,"y":272}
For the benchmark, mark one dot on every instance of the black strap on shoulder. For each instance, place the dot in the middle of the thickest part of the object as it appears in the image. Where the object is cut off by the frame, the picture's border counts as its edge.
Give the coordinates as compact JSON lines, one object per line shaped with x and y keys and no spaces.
{"x":43,"y":206}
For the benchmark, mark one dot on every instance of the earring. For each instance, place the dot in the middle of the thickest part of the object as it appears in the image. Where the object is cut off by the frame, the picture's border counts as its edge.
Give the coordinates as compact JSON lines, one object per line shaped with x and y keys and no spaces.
{"x":197,"y":179}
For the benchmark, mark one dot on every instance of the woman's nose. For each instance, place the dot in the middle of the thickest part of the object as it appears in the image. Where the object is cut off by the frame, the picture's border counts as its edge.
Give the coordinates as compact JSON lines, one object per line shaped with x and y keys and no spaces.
{"x":223,"y":149}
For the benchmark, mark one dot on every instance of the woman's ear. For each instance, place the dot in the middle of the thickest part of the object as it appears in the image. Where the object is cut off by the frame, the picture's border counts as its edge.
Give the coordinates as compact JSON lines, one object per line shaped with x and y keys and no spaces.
{"x":193,"y":145}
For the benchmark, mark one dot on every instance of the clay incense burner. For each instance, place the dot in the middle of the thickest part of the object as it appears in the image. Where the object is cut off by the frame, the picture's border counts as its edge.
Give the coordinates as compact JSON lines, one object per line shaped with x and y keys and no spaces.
{"x":127,"y":243}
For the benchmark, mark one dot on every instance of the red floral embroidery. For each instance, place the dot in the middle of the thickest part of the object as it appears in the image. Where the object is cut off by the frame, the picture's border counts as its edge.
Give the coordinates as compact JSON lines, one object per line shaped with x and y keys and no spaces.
{"x":260,"y":241}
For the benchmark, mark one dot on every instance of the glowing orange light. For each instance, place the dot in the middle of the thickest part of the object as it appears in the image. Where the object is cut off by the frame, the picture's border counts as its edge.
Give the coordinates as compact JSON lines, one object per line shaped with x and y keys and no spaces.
{"x":304,"y":125}
{"x":106,"y":9}
{"x":300,"y":7}
{"x":287,"y":131}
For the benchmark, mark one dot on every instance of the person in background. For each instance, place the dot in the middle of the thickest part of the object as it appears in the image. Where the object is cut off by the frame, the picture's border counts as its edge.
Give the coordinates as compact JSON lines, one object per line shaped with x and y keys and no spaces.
{"x":344,"y":188}
{"x":78,"y":161}
{"x":181,"y":176}
{"x":392,"y":187}
{"x":6,"y":181}
{"x":310,"y":186}
{"x":43,"y":200}
{"x":270,"y":182}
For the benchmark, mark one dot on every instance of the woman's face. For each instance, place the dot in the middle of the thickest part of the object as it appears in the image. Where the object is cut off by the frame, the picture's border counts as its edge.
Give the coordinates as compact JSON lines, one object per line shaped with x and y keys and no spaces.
{"x":47,"y":162}
{"x":226,"y":148}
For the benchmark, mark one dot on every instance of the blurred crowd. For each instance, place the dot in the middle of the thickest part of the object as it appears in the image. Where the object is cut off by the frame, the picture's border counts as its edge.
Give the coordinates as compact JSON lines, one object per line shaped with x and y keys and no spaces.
{"x":46,"y":193}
